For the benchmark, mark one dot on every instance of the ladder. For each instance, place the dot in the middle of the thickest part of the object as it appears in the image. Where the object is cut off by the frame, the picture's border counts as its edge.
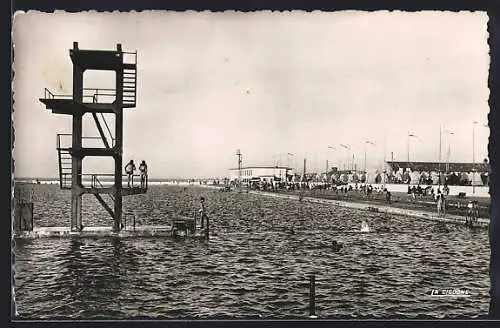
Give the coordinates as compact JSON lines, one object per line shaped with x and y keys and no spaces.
{"x":65,"y":170}
{"x":129,"y":85}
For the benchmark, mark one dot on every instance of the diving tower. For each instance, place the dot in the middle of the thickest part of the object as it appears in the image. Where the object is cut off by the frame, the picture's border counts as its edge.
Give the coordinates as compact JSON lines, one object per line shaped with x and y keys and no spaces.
{"x":95,"y":102}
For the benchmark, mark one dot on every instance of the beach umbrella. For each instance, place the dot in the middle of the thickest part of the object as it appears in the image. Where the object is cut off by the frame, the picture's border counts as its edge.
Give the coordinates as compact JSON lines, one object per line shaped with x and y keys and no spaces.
{"x":406,"y":177}
{"x":385,"y":177}
{"x":370,"y":177}
{"x":414,"y":177}
{"x":464,"y":178}
{"x":475,"y":177}
{"x":423,"y":178}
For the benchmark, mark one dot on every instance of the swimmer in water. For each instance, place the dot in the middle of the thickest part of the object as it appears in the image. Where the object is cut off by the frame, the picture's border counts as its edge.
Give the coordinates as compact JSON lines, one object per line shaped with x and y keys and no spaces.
{"x":365,"y":227}
{"x":336,"y":246}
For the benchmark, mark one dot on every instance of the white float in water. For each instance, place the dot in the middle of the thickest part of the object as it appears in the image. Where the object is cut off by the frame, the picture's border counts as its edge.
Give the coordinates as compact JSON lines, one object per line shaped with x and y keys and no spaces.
{"x":365,"y":227}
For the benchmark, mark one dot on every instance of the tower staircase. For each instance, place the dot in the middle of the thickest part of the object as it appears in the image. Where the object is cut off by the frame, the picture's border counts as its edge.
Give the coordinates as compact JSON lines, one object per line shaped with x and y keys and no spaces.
{"x":129,"y":83}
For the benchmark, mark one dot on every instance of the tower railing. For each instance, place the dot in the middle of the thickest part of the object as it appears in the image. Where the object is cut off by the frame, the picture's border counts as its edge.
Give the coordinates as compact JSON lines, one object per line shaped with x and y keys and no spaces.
{"x":90,"y":95}
{"x":64,"y":141}
{"x":96,"y":181}
{"x":50,"y":95}
{"x":100,"y":95}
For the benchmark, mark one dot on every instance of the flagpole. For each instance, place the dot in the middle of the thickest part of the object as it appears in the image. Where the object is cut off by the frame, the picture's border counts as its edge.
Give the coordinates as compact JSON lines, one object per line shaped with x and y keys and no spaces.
{"x":365,"y":159}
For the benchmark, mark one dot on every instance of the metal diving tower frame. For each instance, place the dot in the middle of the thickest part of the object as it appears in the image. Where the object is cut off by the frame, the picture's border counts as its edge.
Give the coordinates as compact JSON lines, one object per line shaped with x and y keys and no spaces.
{"x":95,"y":102}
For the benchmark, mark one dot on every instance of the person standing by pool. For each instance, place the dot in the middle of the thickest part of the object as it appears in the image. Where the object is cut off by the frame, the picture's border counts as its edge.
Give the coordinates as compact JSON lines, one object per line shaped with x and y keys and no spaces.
{"x":387,"y":196}
{"x":143,"y":168}
{"x":441,"y":206}
{"x":438,"y":199}
{"x":202,"y":211}
{"x":129,"y":169}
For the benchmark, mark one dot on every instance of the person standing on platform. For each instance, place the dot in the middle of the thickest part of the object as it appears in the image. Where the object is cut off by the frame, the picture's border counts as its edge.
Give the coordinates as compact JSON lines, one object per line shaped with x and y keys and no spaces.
{"x":129,"y":169}
{"x":143,"y":168}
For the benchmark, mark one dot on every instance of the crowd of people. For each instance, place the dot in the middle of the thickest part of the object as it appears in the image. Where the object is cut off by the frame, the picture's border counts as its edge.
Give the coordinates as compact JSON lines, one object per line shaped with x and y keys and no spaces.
{"x":375,"y":177}
{"x":434,"y":178}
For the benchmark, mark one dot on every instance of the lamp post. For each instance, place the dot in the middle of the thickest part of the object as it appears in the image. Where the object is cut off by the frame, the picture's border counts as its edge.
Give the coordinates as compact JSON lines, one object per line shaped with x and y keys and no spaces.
{"x":439,"y":163}
{"x":290,"y":162}
{"x":347,"y":161}
{"x":239,"y":154}
{"x":332,"y":148}
{"x":474,"y":152}
{"x":367,"y":142}
{"x":410,"y":135}
{"x":449,"y":133}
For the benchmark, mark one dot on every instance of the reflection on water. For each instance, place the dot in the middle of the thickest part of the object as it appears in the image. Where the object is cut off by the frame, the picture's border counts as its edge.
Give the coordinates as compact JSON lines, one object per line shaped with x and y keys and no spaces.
{"x":255,"y":266}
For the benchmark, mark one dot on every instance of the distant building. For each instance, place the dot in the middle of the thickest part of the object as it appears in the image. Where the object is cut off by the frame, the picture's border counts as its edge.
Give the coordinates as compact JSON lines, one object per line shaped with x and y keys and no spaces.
{"x":267,"y":173}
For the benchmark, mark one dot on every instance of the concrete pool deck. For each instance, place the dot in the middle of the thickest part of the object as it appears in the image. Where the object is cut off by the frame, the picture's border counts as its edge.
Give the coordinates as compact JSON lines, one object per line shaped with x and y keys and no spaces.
{"x":455,"y":219}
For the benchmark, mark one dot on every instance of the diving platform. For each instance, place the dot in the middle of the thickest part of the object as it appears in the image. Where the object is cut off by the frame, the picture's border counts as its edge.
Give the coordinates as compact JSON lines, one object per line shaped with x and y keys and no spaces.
{"x":94,"y":100}
{"x":97,"y":102}
{"x":126,"y":191}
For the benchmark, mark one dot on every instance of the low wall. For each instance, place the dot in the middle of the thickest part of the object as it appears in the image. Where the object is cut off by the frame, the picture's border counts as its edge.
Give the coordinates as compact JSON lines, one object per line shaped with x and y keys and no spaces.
{"x":479,"y":191}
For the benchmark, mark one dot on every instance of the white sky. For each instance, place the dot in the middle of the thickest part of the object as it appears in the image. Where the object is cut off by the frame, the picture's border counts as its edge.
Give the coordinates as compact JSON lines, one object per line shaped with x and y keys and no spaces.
{"x":267,"y":83}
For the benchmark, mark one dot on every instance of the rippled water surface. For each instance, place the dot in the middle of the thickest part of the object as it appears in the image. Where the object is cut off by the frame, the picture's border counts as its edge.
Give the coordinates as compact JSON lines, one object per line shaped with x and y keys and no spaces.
{"x":256,"y":265}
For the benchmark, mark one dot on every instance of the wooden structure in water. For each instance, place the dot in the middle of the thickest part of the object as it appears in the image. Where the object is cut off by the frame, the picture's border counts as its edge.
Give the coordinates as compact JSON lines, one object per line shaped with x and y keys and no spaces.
{"x":96,"y":102}
{"x":126,"y":232}
{"x":23,"y":217}
{"x":181,"y":226}
{"x":23,"y":212}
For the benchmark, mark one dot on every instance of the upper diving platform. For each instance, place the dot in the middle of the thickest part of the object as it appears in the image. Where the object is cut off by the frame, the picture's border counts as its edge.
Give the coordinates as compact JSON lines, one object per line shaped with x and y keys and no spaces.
{"x":98,"y":100}
{"x":108,"y":60}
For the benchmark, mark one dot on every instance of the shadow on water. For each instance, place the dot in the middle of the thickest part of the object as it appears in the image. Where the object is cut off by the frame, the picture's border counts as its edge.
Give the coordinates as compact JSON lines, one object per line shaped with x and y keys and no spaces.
{"x":96,"y":274}
{"x":89,"y":278}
